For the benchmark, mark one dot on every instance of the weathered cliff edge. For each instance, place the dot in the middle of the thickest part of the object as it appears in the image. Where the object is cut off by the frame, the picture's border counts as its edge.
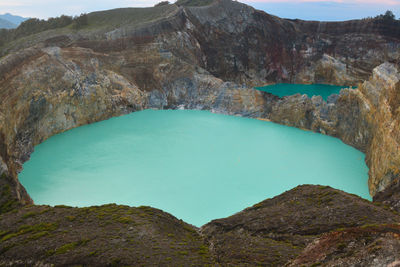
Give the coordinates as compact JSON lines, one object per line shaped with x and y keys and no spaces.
{"x":194,"y":57}
{"x":201,"y":58}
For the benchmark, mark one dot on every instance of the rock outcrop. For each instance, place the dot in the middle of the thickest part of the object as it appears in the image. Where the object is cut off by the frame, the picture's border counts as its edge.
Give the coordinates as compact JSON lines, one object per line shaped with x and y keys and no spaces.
{"x":108,"y":235}
{"x":366,"y":118}
{"x":390,"y":197}
{"x":270,"y":233}
{"x":369,"y":245}
{"x":276,"y":230}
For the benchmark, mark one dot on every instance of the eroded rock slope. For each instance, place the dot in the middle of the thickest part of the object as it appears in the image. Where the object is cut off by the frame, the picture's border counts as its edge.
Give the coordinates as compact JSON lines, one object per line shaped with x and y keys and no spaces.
{"x":202,"y":58}
{"x":270,"y":233}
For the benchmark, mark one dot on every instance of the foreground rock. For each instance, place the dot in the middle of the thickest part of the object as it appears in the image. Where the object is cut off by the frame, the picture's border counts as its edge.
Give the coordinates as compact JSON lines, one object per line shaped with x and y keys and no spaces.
{"x":270,"y":233}
{"x":276,"y":230}
{"x":390,"y":197}
{"x":105,"y":235}
{"x":370,"y":245}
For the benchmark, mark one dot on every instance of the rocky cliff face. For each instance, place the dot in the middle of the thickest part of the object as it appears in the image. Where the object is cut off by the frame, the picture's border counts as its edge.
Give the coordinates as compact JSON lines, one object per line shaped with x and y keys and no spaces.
{"x":201,"y":58}
{"x":365,"y":118}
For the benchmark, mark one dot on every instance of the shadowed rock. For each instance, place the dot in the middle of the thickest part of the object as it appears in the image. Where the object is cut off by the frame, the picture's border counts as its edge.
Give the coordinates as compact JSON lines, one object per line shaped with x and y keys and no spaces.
{"x":268,"y":233}
{"x":104,"y":235}
{"x":370,"y":245}
{"x":276,"y":230}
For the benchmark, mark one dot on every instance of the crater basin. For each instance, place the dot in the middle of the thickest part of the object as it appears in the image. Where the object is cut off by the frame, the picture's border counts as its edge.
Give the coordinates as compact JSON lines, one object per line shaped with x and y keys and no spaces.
{"x":195,"y":165}
{"x":285,"y":89}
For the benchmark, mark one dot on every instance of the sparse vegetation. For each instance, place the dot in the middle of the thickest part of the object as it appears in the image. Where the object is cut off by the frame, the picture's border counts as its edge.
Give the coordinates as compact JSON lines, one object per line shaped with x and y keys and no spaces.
{"x":162,"y":3}
{"x":36,"y":229}
{"x":7,"y":201}
{"x":32,"y":26}
{"x":126,"y":220}
{"x":193,"y":2}
{"x":388,"y":16}
{"x":80,"y":22}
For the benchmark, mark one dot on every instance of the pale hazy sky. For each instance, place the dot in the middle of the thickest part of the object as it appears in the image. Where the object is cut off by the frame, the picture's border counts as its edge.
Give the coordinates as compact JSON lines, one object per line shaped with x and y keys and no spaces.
{"x":303,"y":9}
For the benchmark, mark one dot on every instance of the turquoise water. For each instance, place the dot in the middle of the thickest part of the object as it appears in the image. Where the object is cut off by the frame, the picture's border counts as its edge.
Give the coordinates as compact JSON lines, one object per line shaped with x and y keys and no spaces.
{"x":196,"y":165}
{"x":285,"y":89}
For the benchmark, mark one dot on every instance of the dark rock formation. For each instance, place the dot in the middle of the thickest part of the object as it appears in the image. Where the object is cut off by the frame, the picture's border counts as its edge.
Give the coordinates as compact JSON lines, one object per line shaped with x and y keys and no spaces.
{"x":275,"y":230}
{"x":369,"y":245}
{"x":390,"y":197}
{"x":270,"y":233}
{"x":108,"y":235}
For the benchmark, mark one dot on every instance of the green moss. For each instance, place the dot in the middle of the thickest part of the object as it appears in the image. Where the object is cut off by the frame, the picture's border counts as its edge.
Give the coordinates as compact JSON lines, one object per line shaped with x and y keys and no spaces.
{"x":147,"y":210}
{"x":370,"y":225}
{"x":9,"y":236}
{"x":93,"y":253}
{"x":257,"y":206}
{"x":24,"y":229}
{"x":6,"y":248}
{"x":70,"y":218}
{"x":127,"y":16}
{"x":63,"y":207}
{"x":194,"y":2}
{"x":115,"y":262}
{"x":203,"y":250}
{"x":3,"y":233}
{"x":125,"y":220}
{"x":183,"y":253}
{"x":38,"y":235}
{"x":67,"y":247}
{"x":189,"y":228}
{"x":44,"y":211}
{"x":341,"y":246}
{"x":29,"y":214}
{"x":9,"y":202}
{"x":374,"y":249}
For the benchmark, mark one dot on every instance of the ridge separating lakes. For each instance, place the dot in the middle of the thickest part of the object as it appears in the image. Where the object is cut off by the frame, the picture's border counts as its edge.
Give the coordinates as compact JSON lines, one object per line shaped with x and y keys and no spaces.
{"x":286,"y":89}
{"x":196,"y":165}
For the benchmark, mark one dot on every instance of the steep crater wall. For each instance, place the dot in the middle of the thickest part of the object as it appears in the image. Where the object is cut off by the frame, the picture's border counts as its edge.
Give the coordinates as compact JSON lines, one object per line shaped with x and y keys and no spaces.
{"x":204,"y":58}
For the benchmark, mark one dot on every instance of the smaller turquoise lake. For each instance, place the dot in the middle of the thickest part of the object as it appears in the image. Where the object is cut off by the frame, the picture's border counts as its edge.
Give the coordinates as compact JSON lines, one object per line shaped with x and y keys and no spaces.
{"x":196,"y":165}
{"x":285,"y":89}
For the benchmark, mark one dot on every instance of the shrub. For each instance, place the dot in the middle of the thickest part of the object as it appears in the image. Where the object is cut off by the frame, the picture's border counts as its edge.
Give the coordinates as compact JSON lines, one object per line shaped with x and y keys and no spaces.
{"x":80,"y":21}
{"x":162,"y":3}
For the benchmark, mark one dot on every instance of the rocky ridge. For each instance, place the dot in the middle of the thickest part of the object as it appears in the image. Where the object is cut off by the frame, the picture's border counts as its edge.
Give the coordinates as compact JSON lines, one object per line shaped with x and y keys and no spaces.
{"x":278,"y":229}
{"x":262,"y":235}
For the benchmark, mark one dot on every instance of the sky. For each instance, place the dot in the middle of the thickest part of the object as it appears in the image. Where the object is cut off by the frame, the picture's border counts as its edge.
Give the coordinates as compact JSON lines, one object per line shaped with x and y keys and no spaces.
{"x":327,"y":10}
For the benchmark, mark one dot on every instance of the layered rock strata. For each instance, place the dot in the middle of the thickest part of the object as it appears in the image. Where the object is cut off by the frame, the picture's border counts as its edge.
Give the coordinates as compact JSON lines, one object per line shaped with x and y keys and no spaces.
{"x":201,"y":58}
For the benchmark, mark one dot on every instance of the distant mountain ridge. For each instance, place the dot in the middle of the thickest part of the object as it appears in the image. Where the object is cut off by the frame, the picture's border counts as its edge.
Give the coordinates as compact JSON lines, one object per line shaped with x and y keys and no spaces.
{"x":5,"y":24}
{"x":9,"y":21}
